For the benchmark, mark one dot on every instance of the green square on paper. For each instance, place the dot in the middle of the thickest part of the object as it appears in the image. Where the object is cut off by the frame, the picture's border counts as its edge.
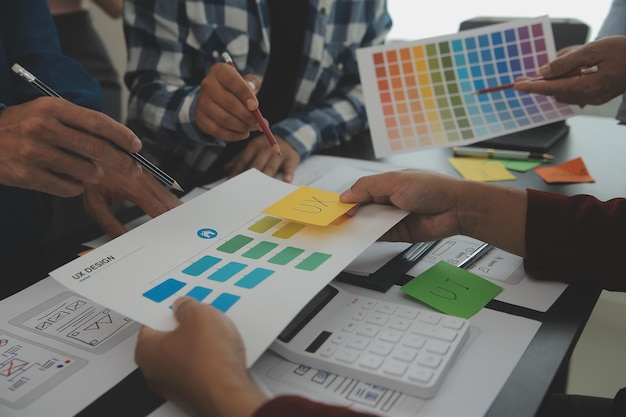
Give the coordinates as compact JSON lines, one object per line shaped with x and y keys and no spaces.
{"x":451,"y":290}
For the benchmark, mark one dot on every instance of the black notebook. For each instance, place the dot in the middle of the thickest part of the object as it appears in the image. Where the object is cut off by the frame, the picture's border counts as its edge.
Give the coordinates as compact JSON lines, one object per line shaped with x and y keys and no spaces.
{"x":538,"y":139}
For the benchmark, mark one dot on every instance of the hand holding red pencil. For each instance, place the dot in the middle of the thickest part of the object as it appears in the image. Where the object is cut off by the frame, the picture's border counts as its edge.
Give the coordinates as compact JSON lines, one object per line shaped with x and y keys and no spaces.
{"x":225,"y":103}
{"x":257,"y":113}
{"x":566,"y":80}
{"x":227,"y":108}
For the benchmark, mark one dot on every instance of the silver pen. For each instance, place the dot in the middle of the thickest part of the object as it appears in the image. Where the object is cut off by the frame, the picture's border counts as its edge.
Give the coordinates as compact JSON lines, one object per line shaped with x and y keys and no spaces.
{"x":475,"y":255}
{"x":476,"y":152}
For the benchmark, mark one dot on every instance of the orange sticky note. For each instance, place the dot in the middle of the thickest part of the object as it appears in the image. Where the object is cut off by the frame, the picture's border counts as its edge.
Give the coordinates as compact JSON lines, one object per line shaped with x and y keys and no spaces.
{"x":570,"y":171}
{"x":310,"y":205}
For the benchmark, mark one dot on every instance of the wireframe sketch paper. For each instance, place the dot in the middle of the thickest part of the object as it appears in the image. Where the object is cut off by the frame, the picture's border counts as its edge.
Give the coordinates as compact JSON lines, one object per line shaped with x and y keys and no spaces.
{"x":222,"y":249}
{"x":422,"y":94}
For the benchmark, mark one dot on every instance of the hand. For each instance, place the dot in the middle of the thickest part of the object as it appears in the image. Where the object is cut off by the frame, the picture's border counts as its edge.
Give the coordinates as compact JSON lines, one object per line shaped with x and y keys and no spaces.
{"x":597,"y":88}
{"x":443,"y":206}
{"x":225,"y":104}
{"x":260,"y":155}
{"x":200,"y":365}
{"x":145,"y":191}
{"x":54,"y":146}
{"x":431,"y":198}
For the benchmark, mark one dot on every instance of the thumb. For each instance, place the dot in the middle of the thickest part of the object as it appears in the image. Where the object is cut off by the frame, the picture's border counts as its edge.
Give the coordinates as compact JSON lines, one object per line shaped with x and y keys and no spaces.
{"x":182,"y":307}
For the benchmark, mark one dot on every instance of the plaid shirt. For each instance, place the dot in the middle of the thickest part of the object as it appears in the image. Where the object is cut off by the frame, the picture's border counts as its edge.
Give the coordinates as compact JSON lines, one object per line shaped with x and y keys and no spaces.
{"x":173,"y":43}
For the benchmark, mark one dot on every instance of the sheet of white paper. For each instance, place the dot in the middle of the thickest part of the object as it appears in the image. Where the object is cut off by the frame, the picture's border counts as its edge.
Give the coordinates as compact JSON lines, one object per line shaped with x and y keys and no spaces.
{"x":197,"y":248}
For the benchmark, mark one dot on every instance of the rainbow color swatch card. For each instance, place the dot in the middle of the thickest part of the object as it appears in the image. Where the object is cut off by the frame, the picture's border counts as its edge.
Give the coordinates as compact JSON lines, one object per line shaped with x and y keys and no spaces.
{"x":222,"y":249}
{"x":423,"y":94}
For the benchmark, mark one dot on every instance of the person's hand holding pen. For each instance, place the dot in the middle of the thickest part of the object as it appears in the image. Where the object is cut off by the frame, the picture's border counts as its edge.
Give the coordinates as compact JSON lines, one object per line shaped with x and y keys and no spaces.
{"x":54,"y":146}
{"x":226,"y":102}
{"x":225,"y":110}
{"x":608,"y":54}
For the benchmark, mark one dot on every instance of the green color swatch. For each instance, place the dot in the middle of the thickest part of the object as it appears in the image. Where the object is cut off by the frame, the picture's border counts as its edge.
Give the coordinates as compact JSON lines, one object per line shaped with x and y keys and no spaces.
{"x":259,"y":250}
{"x":234,"y":244}
{"x":313,"y":261}
{"x":285,"y":256}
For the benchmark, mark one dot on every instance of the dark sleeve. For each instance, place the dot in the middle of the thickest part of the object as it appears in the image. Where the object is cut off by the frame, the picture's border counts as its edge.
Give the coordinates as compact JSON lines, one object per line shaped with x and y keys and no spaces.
{"x":292,"y":405}
{"x":29,"y":38}
{"x":576,"y":239}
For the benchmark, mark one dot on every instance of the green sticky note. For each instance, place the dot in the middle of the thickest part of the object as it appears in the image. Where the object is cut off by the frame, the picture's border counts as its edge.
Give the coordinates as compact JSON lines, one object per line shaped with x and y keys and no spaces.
{"x":451,"y":290}
{"x":519,"y":165}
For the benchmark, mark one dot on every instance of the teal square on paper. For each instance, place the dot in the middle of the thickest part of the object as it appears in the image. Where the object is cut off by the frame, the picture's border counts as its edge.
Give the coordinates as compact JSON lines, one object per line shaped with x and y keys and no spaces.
{"x":451,"y":290}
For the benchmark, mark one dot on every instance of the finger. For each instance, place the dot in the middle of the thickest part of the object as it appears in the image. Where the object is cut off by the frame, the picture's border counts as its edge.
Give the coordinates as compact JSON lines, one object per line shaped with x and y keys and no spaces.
{"x":146,"y":333}
{"x":242,"y":98}
{"x":224,"y":120}
{"x":101,"y":212}
{"x":152,"y":197}
{"x":547,"y":88}
{"x":36,"y":178}
{"x":266,"y":160}
{"x":147,"y":342}
{"x":565,"y":64}
{"x":241,"y":162}
{"x":253,"y":82}
{"x":242,"y":88}
{"x":71,"y":165}
{"x":353,"y":210}
{"x":220,"y":112}
{"x":45,"y":145}
{"x":188,"y":311}
{"x":182,"y":307}
{"x":64,"y":126}
{"x":98,"y":124}
{"x":289,"y":169}
{"x":90,"y":147}
{"x":360,"y":192}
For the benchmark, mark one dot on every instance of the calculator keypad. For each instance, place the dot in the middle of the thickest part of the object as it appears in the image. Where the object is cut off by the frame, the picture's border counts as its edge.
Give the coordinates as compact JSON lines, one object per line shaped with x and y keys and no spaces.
{"x":410,"y":347}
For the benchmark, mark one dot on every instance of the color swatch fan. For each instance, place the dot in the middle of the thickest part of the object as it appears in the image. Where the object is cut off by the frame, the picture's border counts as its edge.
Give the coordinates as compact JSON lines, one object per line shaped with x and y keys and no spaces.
{"x":422,"y":94}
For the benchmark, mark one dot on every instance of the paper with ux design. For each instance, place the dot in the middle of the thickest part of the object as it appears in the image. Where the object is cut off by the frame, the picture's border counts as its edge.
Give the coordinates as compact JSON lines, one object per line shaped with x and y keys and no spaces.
{"x":221,"y":248}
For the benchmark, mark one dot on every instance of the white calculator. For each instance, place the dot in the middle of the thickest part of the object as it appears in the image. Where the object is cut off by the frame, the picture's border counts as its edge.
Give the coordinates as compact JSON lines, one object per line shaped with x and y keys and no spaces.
{"x":396,"y":346}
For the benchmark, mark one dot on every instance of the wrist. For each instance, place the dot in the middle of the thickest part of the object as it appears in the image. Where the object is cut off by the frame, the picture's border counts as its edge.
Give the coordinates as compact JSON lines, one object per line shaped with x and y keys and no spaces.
{"x":233,"y":396}
{"x":493,"y":213}
{"x":470,"y":207}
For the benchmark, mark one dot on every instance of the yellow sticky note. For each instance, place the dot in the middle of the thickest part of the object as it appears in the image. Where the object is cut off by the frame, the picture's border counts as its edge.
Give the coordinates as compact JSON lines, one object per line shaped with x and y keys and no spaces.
{"x":478,"y":169}
{"x":310,"y":205}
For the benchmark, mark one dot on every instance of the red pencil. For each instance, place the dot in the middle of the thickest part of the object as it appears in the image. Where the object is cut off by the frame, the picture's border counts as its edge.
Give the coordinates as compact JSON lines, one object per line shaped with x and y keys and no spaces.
{"x":257,"y":114}
{"x":579,"y":71}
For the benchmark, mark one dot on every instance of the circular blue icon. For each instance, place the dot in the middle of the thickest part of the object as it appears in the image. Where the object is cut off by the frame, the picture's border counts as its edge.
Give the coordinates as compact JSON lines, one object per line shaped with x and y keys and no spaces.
{"x":207,"y":233}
